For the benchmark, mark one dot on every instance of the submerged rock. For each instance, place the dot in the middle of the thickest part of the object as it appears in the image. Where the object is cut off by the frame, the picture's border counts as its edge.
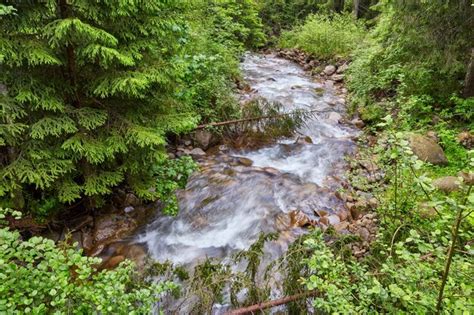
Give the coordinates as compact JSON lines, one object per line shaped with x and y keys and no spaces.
{"x":427,"y":150}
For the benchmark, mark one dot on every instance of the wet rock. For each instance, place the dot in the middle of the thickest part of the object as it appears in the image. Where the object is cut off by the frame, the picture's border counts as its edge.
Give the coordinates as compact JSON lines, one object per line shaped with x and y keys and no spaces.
{"x":329,"y":70}
{"x":131,"y":200}
{"x":128,"y":209}
{"x":223,"y":148}
{"x":321,"y":213}
{"x":358,"y":123}
{"x":299,"y":219}
{"x":203,"y":138}
{"x":427,"y":150}
{"x":334,"y":117}
{"x":334,"y":219}
{"x":113,"y":262}
{"x":319,"y":91}
{"x":271,"y":171}
{"x":447,"y":184}
{"x":324,"y":221}
{"x":343,"y":68}
{"x":304,"y":140}
{"x":197,"y":152}
{"x":87,"y":240}
{"x":245,"y":161}
{"x":79,"y":222}
{"x":171,"y":156}
{"x":466,"y":139}
{"x":187,"y":143}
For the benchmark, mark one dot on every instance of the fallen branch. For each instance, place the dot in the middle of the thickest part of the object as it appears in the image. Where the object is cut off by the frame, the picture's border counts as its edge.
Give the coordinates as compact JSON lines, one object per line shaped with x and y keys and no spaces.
{"x":269,"y":304}
{"x":235,"y":121}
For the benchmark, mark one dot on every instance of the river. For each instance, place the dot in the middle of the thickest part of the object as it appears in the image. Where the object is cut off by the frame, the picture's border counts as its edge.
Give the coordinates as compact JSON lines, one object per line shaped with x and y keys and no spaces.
{"x":231,"y":201}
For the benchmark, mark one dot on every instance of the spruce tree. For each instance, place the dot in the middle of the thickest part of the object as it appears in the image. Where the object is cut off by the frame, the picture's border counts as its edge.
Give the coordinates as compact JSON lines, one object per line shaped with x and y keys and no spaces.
{"x":88,"y":95}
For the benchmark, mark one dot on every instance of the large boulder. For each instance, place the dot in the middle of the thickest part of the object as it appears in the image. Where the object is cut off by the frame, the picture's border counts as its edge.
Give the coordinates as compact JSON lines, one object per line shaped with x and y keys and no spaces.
{"x":427,"y":150}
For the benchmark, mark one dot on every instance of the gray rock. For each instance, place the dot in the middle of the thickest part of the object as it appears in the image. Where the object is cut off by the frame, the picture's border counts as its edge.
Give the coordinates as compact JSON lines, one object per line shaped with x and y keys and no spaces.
{"x":338,"y":77}
{"x":197,"y":152}
{"x":334,"y":117}
{"x":342,"y":68}
{"x":329,"y":70}
{"x":358,"y":122}
{"x":203,"y":138}
{"x":427,"y":150}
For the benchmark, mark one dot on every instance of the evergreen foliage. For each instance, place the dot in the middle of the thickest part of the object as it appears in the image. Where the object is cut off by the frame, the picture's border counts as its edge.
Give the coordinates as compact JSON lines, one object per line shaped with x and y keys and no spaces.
{"x":90,"y":96}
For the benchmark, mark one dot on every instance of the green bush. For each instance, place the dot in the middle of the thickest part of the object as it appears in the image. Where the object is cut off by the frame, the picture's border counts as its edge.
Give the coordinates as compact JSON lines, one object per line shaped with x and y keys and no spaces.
{"x":414,"y":59}
{"x":326,"y":37}
{"x":39,"y":277}
{"x":406,"y":265}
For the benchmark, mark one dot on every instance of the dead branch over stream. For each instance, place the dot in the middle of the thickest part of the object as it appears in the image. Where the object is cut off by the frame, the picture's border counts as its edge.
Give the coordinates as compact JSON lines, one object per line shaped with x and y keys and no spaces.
{"x":264,"y":305}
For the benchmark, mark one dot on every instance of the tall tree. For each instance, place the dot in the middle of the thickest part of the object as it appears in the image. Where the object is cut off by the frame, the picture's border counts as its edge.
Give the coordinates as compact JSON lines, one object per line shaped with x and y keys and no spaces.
{"x":90,"y":96}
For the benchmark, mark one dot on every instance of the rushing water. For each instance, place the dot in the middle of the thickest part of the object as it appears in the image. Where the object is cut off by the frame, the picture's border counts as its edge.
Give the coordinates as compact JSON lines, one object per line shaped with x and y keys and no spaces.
{"x":229,"y":203}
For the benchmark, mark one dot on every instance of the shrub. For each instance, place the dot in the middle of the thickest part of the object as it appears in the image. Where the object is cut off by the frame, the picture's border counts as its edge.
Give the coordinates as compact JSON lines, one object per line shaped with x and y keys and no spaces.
{"x":40,"y":277}
{"x":327,"y":37}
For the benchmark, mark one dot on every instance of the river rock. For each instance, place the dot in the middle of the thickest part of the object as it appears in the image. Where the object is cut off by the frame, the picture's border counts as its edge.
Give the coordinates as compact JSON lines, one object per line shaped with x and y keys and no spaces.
{"x":334,"y":219}
{"x":427,"y":150}
{"x":338,"y":77}
{"x":304,"y":140}
{"x":343,"y":68}
{"x":334,"y":117}
{"x":341,"y":226}
{"x":329,"y":70}
{"x":197,"y":152}
{"x":203,"y":138}
{"x":299,"y":219}
{"x":245,"y":161}
{"x":131,"y":200}
{"x":363,"y":233}
{"x":112,"y":262}
{"x":447,"y":184}
{"x":358,"y":123}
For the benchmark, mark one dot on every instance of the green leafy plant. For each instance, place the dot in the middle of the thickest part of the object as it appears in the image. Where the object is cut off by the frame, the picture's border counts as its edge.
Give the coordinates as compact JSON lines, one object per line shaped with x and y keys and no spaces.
{"x":41,"y":277}
{"x":326,"y":37}
{"x":172,"y":175}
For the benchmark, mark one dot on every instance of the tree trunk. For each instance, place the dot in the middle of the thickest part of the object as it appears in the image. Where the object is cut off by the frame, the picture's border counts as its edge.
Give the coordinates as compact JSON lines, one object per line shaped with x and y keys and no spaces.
{"x":469,"y":81}
{"x":338,"y":5}
{"x":357,"y":12}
